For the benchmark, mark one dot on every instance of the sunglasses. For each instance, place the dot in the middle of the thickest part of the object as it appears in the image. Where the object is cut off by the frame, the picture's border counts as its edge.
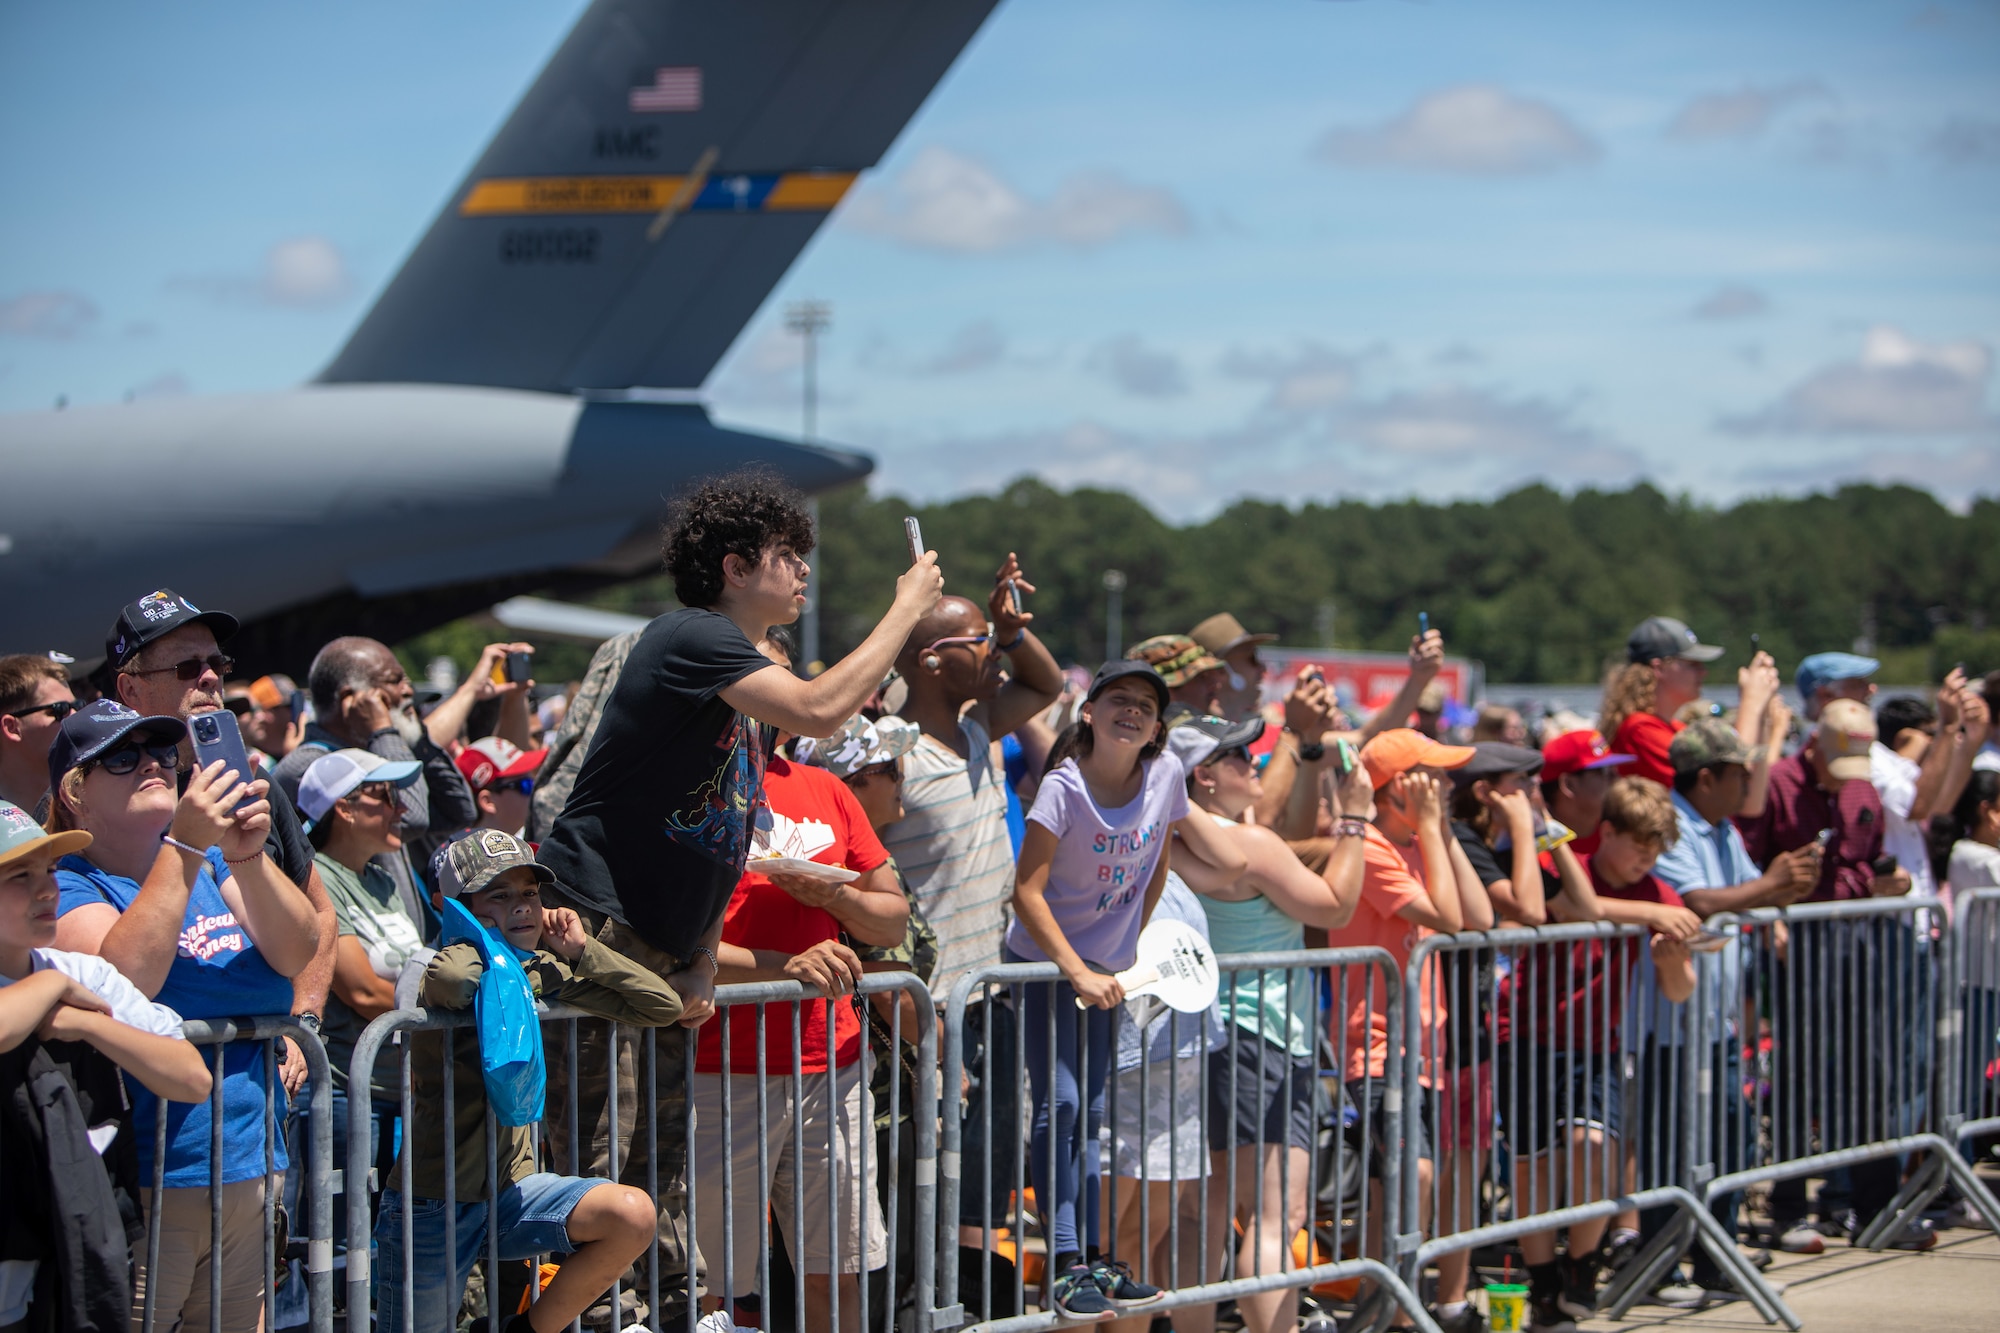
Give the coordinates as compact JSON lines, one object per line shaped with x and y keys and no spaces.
{"x":888,"y":768}
{"x":384,"y":792}
{"x":526,"y":786}
{"x":189,"y":668}
{"x":57,"y":711}
{"x":126,"y":758}
{"x":1233,"y":752}
{"x":240,"y":707}
{"x":967,"y":639}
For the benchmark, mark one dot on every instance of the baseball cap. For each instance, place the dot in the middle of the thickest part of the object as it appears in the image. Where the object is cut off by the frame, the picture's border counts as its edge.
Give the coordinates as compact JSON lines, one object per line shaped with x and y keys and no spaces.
{"x":1576,"y":751}
{"x":99,"y":726}
{"x":1492,"y":758}
{"x":334,"y":775}
{"x":1826,"y":668}
{"x":20,"y":835}
{"x":469,"y":863}
{"x":1222,"y":632}
{"x":1707,"y":741}
{"x":491,"y":759}
{"x":859,"y":743}
{"x":1663,"y":636}
{"x":1118,"y":668}
{"x":1195,"y":738}
{"x":1846,"y":732}
{"x":272,"y":692}
{"x":1401,"y":749}
{"x":160,"y":613}
{"x":1176,"y":657}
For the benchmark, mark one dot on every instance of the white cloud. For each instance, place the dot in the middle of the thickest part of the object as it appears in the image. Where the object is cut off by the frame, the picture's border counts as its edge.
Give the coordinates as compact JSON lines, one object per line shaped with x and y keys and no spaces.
{"x":1311,"y":378}
{"x":1731,"y":301}
{"x":1966,"y":141}
{"x":1897,"y":386}
{"x":1139,"y":370}
{"x":172,"y":384}
{"x":298,"y":273}
{"x":1471,"y":130}
{"x":48,"y":314}
{"x":949,"y":201}
{"x":1742,"y":114}
{"x":977,"y":346}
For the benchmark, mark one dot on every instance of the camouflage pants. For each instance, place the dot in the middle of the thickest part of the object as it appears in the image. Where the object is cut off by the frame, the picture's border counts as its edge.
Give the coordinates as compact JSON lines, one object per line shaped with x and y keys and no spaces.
{"x":673,"y":1048}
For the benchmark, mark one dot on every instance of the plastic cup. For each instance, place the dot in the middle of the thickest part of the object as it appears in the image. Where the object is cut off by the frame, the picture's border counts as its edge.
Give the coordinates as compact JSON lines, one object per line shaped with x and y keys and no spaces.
{"x":1506,"y":1307}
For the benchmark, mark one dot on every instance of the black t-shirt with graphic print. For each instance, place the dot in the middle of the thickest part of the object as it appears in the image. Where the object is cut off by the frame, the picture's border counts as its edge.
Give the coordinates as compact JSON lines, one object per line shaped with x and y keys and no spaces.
{"x":657,"y":828}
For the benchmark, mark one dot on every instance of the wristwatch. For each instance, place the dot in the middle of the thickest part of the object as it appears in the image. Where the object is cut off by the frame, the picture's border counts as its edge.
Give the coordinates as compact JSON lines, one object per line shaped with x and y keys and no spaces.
{"x":1312,"y":753}
{"x":308,"y":1021}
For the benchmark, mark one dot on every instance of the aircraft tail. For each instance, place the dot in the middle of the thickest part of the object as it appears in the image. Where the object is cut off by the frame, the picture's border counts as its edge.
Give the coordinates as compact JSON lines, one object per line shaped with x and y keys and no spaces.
{"x":651,"y":188}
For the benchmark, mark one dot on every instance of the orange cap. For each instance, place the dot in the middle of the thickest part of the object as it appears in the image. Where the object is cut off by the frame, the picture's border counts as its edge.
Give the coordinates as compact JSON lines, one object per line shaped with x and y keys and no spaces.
{"x":1403,"y":748}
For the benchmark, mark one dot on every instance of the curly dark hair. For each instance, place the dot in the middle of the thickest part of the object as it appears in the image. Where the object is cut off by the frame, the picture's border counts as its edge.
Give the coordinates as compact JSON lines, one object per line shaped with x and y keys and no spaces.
{"x":741,"y":514}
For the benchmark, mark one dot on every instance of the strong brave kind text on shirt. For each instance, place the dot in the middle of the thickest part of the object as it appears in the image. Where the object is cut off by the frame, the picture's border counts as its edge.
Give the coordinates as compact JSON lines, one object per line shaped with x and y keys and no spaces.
{"x":1132,"y":849}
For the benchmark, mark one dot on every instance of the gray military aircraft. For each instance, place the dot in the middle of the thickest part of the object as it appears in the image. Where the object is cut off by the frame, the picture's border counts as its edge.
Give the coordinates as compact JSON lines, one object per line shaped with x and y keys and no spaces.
{"x":519,"y":402}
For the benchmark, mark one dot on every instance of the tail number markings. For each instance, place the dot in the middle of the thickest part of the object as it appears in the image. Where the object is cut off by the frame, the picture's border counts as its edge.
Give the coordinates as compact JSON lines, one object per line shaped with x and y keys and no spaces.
{"x":549,"y":245}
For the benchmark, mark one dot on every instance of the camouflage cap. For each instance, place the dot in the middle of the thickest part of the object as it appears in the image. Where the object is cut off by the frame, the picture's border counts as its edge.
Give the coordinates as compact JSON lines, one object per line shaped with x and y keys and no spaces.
{"x":1176,"y":657}
{"x":1707,"y":742}
{"x":472,"y":861}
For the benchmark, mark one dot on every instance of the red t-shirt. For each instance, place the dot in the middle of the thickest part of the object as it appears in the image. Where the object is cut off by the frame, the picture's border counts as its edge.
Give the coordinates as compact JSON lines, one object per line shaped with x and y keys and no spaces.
{"x":1558,"y":990}
{"x":761,"y":915}
{"x":1647,"y":737}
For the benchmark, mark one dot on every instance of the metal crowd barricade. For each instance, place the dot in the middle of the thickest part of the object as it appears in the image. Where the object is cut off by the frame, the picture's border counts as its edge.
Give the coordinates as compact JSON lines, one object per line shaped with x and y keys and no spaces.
{"x":267,"y":1031}
{"x":1971,"y":1021}
{"x":725,"y":1277}
{"x":1848,"y":992}
{"x":1553,"y":1047}
{"x":1327,"y":1247}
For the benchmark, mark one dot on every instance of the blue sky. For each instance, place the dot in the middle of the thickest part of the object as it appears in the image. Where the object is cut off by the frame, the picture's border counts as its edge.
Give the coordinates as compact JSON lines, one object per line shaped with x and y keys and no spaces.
{"x":1285,"y":248}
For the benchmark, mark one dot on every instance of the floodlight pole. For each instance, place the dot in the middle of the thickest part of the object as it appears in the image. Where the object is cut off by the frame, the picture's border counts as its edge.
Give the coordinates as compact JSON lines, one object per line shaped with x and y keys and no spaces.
{"x":809,"y":319}
{"x":1114,"y":613}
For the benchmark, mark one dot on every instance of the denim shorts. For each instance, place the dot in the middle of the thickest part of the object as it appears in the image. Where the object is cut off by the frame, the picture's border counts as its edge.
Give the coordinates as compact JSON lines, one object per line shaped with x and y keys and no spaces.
{"x":533,"y":1219}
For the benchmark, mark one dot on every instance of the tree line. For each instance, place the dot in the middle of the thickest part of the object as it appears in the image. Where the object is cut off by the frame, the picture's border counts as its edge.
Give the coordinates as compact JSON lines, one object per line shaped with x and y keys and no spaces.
{"x":1539,"y":585}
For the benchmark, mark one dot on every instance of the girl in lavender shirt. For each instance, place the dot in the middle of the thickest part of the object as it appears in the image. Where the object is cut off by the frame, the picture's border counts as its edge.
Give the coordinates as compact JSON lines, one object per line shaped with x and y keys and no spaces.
{"x":1092,"y":866}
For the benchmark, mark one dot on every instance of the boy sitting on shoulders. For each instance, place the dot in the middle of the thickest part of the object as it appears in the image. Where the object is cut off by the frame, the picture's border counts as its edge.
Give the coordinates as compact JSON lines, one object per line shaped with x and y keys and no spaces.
{"x":598,"y":1227}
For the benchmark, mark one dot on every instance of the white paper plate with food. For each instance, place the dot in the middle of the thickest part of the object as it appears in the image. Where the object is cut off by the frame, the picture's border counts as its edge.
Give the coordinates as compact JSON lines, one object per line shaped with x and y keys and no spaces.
{"x":792,"y":865}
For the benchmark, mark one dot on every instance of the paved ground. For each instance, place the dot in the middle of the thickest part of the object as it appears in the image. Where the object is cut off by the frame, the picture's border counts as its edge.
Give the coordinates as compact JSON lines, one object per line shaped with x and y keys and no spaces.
{"x":1954,"y":1287}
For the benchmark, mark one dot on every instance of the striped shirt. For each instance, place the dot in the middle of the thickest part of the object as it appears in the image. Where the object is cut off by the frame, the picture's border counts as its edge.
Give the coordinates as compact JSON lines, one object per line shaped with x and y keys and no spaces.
{"x":953,"y":848}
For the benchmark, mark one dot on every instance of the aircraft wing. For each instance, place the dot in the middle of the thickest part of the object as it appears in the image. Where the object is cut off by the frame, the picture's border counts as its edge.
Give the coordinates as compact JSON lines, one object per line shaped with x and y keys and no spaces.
{"x":651,"y":188}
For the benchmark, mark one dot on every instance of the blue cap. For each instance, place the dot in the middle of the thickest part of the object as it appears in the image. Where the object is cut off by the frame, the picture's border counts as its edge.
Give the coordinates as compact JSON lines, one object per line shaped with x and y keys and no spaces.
{"x":99,"y":726}
{"x":1826,"y":668}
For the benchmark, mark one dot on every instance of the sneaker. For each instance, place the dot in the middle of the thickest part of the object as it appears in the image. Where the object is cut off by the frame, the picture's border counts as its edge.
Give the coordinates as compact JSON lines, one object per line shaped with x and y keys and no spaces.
{"x":1801,"y":1238}
{"x":1115,"y":1280}
{"x":715,"y":1322}
{"x":1956,"y":1214}
{"x":1624,"y":1247}
{"x":1579,"y":1287}
{"x":1676,"y":1294}
{"x":1077,"y":1296}
{"x":1918,"y":1236}
{"x":1468,"y":1320}
{"x":1546,"y":1315}
{"x":631,"y":1310}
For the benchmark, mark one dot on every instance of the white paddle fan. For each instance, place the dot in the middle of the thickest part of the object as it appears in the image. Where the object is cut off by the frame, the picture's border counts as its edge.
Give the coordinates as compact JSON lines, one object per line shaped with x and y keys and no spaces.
{"x":1175,"y":965}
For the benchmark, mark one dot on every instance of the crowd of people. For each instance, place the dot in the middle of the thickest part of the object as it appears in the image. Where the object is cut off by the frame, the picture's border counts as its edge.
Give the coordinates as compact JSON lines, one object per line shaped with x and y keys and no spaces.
{"x":963,"y":803}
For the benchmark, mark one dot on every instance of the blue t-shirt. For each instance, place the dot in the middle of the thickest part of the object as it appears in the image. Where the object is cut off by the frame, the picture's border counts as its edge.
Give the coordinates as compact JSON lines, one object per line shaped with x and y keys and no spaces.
{"x":217,"y":973}
{"x":1015,"y":760}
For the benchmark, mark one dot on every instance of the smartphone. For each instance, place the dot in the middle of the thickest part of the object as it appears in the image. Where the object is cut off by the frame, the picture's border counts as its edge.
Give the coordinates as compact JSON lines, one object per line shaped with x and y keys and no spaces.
{"x":519,"y":667}
{"x":1708,"y":941}
{"x":1423,"y":622}
{"x":1884,"y":866}
{"x":1344,"y":757}
{"x":1013,"y":595}
{"x":1824,"y":837}
{"x":216,"y":736}
{"x":915,"y":533}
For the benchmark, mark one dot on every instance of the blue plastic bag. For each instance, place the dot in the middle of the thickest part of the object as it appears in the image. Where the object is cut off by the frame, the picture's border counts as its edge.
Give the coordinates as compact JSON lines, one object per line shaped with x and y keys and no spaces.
{"x":510,"y":1033}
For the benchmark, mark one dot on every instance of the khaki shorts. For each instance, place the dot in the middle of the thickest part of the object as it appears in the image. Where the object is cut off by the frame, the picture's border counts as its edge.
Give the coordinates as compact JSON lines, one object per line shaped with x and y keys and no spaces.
{"x":182,"y":1292}
{"x":817,"y":1180}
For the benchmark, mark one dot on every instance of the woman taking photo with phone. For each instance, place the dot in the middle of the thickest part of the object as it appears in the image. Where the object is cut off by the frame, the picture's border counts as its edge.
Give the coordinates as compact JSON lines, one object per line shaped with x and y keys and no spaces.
{"x":178,"y":895}
{"x":1093,"y":865}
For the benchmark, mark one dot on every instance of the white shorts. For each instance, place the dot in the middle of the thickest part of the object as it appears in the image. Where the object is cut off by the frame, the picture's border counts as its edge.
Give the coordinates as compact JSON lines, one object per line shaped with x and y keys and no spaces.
{"x":806,"y":1184}
{"x":1158,"y":1134}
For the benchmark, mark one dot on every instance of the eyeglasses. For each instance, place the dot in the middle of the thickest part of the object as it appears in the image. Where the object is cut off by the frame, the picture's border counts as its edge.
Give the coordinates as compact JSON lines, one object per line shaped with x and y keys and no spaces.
{"x":888,"y":768}
{"x":126,"y":758}
{"x":240,"y":707}
{"x":967,"y":639}
{"x":57,"y":711}
{"x":526,"y":786}
{"x":188,"y":668}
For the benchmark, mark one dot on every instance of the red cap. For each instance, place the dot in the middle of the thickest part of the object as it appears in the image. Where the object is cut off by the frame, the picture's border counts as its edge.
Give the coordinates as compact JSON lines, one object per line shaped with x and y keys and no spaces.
{"x":1574,"y":751}
{"x":1403,"y":748}
{"x":489,"y":760}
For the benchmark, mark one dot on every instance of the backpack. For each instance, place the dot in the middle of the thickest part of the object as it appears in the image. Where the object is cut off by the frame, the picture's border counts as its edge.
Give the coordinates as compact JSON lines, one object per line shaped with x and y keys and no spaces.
{"x":510,"y":1031}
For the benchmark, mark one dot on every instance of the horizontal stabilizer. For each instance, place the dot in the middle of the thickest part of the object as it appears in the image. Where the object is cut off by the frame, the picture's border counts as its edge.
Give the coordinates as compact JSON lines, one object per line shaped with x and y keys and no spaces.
{"x":651,"y":188}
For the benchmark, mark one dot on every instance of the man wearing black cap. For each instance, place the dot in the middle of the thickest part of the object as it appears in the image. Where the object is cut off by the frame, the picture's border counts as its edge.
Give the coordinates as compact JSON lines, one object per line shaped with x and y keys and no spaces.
{"x":164,"y":659}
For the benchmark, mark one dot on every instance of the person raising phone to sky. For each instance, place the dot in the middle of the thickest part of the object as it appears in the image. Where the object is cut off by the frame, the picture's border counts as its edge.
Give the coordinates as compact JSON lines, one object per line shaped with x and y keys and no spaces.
{"x":654,"y":836}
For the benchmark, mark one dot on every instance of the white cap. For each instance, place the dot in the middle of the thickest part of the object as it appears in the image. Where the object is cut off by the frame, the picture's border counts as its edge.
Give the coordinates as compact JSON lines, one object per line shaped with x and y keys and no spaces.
{"x":333,"y":776}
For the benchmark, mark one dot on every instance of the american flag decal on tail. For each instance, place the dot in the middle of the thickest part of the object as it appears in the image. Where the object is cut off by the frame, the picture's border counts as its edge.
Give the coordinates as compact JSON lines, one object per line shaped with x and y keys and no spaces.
{"x":674,"y":88}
